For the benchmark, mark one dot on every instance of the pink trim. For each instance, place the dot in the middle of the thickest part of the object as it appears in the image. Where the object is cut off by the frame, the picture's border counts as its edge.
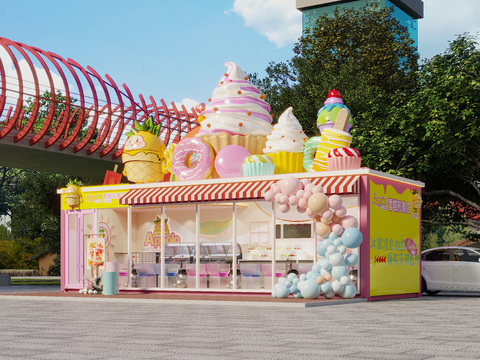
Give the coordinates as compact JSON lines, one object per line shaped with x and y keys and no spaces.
{"x":365,"y":230}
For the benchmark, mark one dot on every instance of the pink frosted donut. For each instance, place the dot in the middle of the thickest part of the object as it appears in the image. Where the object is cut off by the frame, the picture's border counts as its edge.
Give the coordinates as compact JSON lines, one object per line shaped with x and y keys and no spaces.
{"x":184,"y":168}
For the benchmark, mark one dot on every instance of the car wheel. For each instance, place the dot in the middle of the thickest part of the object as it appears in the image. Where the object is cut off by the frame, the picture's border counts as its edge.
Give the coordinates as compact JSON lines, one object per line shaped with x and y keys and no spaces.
{"x":425,"y":290}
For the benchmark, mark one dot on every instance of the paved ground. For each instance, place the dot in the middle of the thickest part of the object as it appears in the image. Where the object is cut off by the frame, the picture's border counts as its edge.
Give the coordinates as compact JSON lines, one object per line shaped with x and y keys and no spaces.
{"x":432,"y":327}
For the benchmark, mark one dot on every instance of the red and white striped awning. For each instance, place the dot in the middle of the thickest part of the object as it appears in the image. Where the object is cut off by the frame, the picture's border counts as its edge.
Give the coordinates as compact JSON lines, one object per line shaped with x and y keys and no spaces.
{"x":229,"y":191}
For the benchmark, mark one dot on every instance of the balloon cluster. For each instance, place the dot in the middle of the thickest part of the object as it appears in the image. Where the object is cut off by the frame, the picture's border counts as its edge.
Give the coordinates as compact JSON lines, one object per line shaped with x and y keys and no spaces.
{"x":328,"y":211}
{"x":329,"y":275}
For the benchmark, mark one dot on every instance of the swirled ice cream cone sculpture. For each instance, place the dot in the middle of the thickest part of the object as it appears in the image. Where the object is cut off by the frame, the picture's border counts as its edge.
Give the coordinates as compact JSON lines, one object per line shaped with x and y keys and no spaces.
{"x":332,"y":138}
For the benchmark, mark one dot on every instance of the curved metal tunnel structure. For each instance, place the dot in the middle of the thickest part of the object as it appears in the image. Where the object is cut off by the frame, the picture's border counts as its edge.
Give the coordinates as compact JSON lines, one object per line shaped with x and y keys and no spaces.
{"x":57,"y":116}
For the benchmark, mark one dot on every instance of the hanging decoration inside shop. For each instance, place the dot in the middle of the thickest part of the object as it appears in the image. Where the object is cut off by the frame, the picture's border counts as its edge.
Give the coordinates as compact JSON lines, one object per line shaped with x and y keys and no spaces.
{"x":214,"y":228}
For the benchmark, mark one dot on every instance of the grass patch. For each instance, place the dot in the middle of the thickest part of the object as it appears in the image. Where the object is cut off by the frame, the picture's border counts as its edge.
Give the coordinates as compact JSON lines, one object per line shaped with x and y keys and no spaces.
{"x":28,"y":281}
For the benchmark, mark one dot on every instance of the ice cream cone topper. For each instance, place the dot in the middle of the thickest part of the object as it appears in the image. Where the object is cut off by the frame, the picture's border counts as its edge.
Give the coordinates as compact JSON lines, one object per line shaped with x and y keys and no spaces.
{"x":327,"y":115}
{"x":143,"y":153}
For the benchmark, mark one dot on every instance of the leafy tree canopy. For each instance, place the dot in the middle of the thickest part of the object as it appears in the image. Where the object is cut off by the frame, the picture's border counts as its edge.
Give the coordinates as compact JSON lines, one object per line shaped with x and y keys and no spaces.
{"x":417,"y":121}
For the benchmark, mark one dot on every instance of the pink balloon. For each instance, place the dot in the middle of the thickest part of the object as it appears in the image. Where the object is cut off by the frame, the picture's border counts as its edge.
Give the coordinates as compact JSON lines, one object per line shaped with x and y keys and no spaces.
{"x":283,"y":199}
{"x":349,"y":221}
{"x":276,"y":188}
{"x":269,"y":195}
{"x":337,"y":229}
{"x":300,"y":193}
{"x":310,"y":214}
{"x":293,"y":200}
{"x":301,"y":210}
{"x":309,"y":187}
{"x":284,"y":208}
{"x":277,"y":197}
{"x":341,"y":212}
{"x":317,"y":189}
{"x":307,"y":194}
{"x":328,"y":215}
{"x":229,"y":161}
{"x":335,"y":201}
{"x":302,"y":203}
{"x":305,"y":182}
{"x":290,"y":185}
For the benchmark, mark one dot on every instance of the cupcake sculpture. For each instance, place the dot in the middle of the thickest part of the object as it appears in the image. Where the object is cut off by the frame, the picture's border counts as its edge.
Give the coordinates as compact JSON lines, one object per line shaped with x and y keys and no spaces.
{"x":286,"y":143}
{"x":327,"y":115}
{"x":237,"y":114}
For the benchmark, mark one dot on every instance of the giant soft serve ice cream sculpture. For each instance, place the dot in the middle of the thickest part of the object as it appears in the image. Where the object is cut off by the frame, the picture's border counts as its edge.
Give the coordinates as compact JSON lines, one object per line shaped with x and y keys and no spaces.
{"x":237,"y":114}
{"x":285,"y":144}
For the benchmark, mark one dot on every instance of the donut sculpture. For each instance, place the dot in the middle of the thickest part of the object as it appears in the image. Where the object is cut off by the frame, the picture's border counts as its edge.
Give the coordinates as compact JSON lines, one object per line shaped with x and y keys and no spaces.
{"x":182,"y":165}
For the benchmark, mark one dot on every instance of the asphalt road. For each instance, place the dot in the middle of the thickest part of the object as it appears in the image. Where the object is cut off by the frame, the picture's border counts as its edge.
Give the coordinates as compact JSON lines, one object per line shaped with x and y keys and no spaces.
{"x":432,"y":327}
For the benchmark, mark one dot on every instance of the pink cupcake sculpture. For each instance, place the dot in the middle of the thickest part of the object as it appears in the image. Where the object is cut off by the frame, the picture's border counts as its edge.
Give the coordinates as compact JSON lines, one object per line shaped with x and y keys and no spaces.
{"x":343,"y":159}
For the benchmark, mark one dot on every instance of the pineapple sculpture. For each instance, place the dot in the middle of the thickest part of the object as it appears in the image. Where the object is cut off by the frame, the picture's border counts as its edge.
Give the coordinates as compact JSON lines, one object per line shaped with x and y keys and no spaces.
{"x":416,"y":201}
{"x":143,"y":153}
{"x":73,"y":194}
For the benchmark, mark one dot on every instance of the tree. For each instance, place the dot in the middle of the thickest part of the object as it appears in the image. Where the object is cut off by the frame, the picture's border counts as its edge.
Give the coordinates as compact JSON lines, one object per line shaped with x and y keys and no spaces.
{"x":365,"y":54}
{"x":448,"y":107}
{"x":420,"y":122}
{"x":59,"y":112}
{"x":9,"y":189}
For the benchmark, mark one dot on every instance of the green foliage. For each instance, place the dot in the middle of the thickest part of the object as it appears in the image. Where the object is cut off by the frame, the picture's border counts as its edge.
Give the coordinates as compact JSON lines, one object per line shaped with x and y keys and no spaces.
{"x":14,"y":256}
{"x":365,"y":54}
{"x":37,"y":214}
{"x":54,"y":270}
{"x":9,"y":190}
{"x":58,"y":113}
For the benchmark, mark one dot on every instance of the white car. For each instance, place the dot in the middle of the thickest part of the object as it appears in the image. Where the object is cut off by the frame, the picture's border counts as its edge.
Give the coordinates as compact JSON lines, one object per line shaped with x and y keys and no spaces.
{"x":450,"y":268}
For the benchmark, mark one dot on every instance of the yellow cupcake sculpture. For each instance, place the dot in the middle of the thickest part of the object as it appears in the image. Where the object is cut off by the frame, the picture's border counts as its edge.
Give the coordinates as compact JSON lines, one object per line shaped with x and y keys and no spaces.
{"x":143,"y":153}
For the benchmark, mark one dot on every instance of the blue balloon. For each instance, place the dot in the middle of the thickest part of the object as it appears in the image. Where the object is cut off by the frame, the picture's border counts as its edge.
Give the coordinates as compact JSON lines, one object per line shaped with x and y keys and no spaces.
{"x":310,"y":289}
{"x":352,"y":237}
{"x":333,"y":236}
{"x":342,"y":249}
{"x":339,"y":271}
{"x":291,"y":276}
{"x":332,"y":249}
{"x":274,"y":294}
{"x":324,"y":272}
{"x":313,"y":275}
{"x":326,"y":243}
{"x":336,"y":259}
{"x":316,"y":268}
{"x":351,"y":259}
{"x":337,"y":242}
{"x":349,"y":292}
{"x":298,"y":295}
{"x":337,"y":287}
{"x":282,"y":292}
{"x":303,"y":277}
{"x":325,"y":264}
{"x":293,"y":289}
{"x":320,"y":251}
{"x":326,"y":287}
{"x":295,"y":281}
{"x":281,"y":280}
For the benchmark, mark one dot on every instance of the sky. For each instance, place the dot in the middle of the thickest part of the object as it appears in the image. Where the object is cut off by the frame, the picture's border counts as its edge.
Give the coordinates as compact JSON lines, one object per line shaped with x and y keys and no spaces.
{"x":176,"y":50}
